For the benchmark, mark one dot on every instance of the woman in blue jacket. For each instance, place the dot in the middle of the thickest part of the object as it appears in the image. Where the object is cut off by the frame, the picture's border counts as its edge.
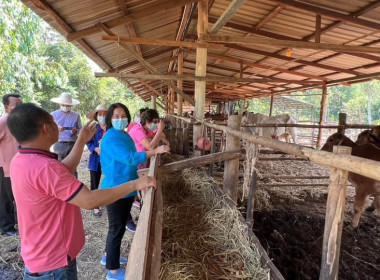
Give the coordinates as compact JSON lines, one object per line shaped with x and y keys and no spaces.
{"x":98,"y":115}
{"x":119,"y":160}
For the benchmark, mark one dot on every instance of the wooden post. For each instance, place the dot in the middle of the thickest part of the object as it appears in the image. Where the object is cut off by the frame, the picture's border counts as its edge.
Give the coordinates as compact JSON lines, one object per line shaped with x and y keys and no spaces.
{"x":172,"y":95}
{"x":251,"y":199}
{"x":185,"y":133}
{"x":154,"y":103}
{"x":336,"y":201}
{"x":180,"y":84}
{"x":322,"y":115}
{"x":271,"y":105}
{"x":317,"y":33}
{"x":231,"y":167}
{"x":180,"y":137}
{"x":342,"y":121}
{"x":212,"y":150}
{"x":200,"y":70}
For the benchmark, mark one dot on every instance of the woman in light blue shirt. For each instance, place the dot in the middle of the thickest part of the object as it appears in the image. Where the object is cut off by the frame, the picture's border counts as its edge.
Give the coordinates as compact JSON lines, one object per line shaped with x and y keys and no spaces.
{"x":119,"y":160}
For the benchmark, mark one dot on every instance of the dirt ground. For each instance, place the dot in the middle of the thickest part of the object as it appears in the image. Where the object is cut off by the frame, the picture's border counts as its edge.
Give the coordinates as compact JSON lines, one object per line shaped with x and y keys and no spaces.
{"x":291,"y":226}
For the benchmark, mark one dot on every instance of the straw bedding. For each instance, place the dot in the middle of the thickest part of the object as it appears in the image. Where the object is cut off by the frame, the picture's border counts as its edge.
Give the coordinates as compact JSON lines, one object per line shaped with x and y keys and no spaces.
{"x":203,"y":236}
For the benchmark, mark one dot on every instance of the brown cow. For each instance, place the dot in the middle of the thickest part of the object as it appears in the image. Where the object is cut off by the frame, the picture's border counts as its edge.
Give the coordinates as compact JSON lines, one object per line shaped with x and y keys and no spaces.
{"x":368,"y":137}
{"x":364,"y":186}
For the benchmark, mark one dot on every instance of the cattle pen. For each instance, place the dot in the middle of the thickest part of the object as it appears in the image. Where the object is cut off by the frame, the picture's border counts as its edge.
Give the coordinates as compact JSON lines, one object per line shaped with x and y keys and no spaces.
{"x":187,"y":55}
{"x":341,"y":163}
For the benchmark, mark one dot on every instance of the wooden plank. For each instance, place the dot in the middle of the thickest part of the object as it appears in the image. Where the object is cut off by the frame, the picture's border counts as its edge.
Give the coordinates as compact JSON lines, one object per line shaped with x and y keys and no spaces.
{"x":261,"y":66}
{"x":361,"y":166}
{"x":257,"y":40}
{"x":336,"y":201}
{"x":138,"y":256}
{"x":146,"y":64}
{"x":342,"y":122}
{"x":160,"y":42}
{"x":199,"y":161}
{"x":227,"y":14}
{"x":271,"y":15}
{"x":231,"y":167}
{"x":143,"y":12}
{"x":317,"y":34}
{"x":322,"y":114}
{"x":202,"y":78}
{"x":329,"y":13}
{"x":155,"y":238}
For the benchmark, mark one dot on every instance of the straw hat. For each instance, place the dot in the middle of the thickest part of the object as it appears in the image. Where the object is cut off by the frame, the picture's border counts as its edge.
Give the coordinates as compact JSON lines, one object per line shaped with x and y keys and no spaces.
{"x":99,"y":108}
{"x":65,"y":99}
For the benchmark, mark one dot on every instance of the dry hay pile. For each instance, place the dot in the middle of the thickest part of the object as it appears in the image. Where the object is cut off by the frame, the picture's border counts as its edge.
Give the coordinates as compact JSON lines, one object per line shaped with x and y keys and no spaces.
{"x":203,"y":236}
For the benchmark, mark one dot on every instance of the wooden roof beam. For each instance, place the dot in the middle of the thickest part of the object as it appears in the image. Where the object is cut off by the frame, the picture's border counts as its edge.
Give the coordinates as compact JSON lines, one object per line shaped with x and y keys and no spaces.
{"x":203,"y":78}
{"x":135,"y":62}
{"x":227,"y":14}
{"x":270,"y":80}
{"x":257,"y":40}
{"x":329,"y":13}
{"x":146,"y":64}
{"x":301,"y":61}
{"x":268,"y":34}
{"x":138,"y":14}
{"x":355,"y":14}
{"x":131,"y":28}
{"x":270,"y":16}
{"x":185,"y":21}
{"x":261,"y":66}
{"x":159,"y":42}
{"x":43,"y":5}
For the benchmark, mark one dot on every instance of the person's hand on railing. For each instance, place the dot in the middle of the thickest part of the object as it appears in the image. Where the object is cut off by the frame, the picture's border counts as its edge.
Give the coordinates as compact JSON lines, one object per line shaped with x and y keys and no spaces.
{"x":145,"y":182}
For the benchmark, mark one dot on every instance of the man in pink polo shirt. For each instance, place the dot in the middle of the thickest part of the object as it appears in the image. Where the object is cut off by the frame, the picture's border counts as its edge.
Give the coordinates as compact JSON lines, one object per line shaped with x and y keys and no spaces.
{"x":48,"y":196}
{"x":8,"y":148}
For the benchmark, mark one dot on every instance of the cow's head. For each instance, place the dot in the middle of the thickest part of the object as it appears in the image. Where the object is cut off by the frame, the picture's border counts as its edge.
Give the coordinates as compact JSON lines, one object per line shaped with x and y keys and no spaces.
{"x":336,"y":139}
{"x":367,"y":137}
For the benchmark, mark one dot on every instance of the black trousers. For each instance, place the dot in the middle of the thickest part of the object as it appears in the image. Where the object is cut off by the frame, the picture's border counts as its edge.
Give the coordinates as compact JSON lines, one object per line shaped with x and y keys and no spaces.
{"x":117,"y":218}
{"x":62,"y":149}
{"x":7,"y":204}
{"x":95,"y":178}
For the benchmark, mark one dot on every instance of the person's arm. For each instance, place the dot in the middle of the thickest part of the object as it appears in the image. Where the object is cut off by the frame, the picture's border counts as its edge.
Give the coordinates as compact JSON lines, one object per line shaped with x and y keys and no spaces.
{"x":150,"y":145}
{"x":87,"y":199}
{"x":73,"y":158}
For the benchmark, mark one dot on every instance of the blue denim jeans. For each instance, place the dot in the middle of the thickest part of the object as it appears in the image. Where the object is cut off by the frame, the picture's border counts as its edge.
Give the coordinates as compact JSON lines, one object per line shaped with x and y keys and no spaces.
{"x":68,"y":272}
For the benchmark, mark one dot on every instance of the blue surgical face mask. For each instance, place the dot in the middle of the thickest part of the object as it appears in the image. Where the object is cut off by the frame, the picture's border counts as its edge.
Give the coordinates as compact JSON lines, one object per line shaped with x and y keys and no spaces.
{"x":152,"y":126}
{"x":101,"y":120}
{"x":137,"y":119}
{"x":120,"y":124}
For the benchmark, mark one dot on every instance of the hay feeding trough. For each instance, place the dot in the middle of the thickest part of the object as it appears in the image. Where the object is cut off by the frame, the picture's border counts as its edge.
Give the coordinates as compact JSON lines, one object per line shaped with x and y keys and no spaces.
{"x":203,"y":233}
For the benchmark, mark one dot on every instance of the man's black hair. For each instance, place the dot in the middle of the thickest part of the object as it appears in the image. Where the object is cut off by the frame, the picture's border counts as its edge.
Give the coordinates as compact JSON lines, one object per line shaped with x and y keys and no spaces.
{"x":25,"y":121}
{"x":110,"y":113}
{"x":7,"y":96}
{"x":148,"y":116}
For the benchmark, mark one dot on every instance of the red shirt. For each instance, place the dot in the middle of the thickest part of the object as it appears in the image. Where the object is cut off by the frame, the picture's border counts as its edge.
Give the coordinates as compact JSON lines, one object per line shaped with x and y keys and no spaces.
{"x":50,"y":228}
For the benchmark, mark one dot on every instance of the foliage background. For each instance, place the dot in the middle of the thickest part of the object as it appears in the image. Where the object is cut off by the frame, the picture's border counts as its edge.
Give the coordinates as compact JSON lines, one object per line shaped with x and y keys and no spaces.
{"x":39,"y":64}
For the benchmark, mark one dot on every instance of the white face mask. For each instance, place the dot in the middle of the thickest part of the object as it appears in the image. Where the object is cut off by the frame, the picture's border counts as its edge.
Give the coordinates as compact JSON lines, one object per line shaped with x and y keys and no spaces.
{"x":137,"y":119}
{"x":65,"y":108}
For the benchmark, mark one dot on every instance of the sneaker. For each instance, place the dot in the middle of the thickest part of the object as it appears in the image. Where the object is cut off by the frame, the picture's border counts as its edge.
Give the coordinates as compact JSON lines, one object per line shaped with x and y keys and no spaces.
{"x":10,"y":233}
{"x":136,"y":204}
{"x":119,"y":275}
{"x":131,"y":226}
{"x":103,"y":261}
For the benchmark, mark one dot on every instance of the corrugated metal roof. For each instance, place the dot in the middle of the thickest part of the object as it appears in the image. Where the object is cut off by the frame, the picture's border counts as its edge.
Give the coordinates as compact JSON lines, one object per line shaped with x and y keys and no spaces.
{"x":346,"y":23}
